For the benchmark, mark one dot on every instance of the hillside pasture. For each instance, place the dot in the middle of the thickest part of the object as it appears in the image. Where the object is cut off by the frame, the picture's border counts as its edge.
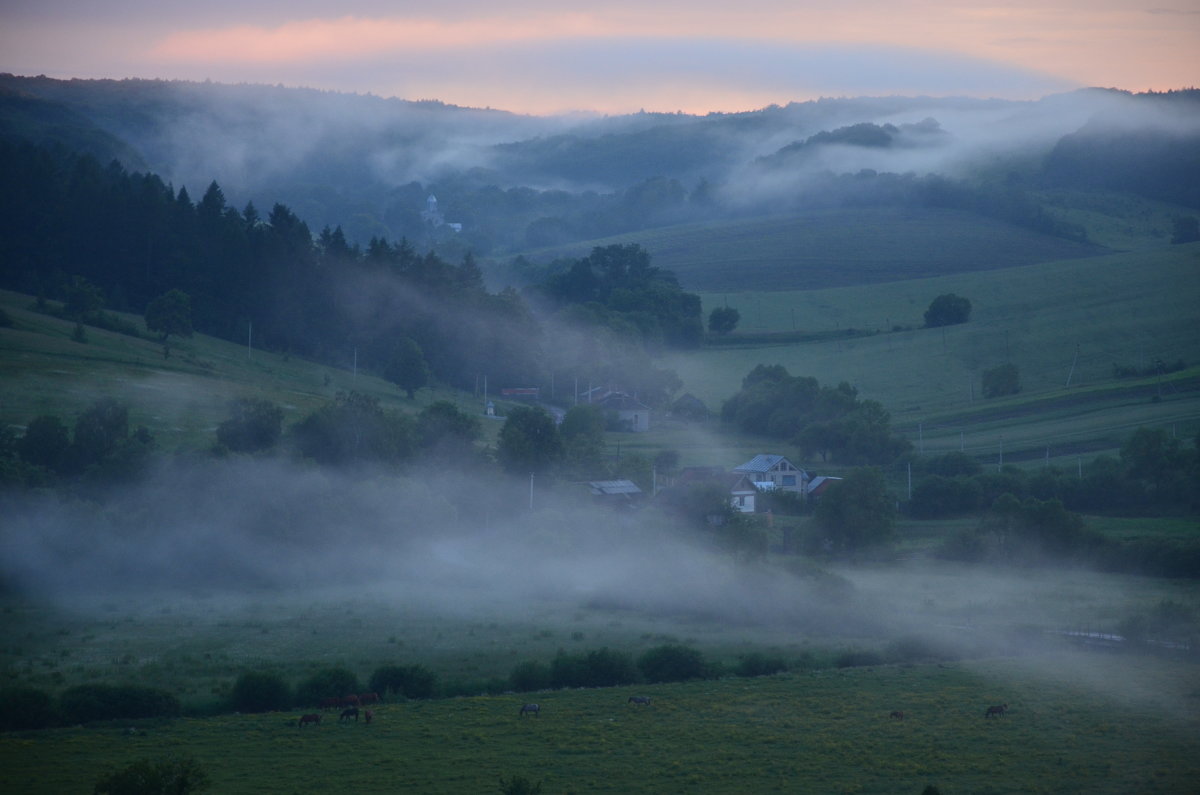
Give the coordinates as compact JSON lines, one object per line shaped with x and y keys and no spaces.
{"x":1076,"y":722}
{"x":823,"y":249}
{"x":181,"y":398}
{"x":1058,"y":322}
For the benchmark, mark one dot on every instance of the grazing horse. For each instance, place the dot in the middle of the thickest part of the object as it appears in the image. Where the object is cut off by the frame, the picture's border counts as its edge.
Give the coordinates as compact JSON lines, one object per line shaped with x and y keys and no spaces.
{"x":349,"y":712}
{"x":897,"y":714}
{"x":639,"y":700}
{"x":533,"y":709}
{"x":998,"y":710}
{"x":368,"y":698}
{"x":368,"y":714}
{"x":309,"y":719}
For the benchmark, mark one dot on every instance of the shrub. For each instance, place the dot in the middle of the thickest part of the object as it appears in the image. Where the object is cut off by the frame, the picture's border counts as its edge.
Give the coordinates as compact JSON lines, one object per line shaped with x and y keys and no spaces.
{"x":599,"y":668}
{"x":1002,"y":380}
{"x":147,"y":777}
{"x":671,"y":663}
{"x":409,"y":681}
{"x":25,"y":708}
{"x":85,"y":703}
{"x":529,"y":676}
{"x":759,"y":664}
{"x":253,"y":425}
{"x":260,"y":691}
{"x":947,"y":310}
{"x":327,"y":683}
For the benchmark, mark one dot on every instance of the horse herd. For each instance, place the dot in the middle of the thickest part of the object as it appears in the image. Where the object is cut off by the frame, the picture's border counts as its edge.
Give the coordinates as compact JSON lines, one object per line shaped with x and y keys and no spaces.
{"x":350,"y":705}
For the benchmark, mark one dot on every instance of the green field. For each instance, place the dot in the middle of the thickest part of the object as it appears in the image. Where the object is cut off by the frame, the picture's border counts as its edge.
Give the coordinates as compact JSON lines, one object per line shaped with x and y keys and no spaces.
{"x":181,"y":399}
{"x":1058,"y":322}
{"x":835,"y":248}
{"x":1077,"y":723}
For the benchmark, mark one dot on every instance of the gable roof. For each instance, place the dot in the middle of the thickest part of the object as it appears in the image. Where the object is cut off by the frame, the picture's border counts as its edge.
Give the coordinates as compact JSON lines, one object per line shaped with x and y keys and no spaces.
{"x":764,"y":463}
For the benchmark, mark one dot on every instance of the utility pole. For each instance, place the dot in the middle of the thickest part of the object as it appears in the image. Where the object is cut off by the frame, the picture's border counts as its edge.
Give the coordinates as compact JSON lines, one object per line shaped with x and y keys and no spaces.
{"x":1072,"y":370}
{"x":249,"y":338}
{"x":531,"y":491}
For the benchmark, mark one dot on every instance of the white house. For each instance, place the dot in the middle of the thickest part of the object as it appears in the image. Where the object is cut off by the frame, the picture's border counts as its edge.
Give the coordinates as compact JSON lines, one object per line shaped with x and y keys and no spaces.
{"x":775,"y":470}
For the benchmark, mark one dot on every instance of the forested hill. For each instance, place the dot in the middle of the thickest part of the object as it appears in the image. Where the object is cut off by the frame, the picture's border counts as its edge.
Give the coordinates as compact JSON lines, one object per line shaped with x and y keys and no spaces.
{"x":96,"y":237}
{"x":518,"y":183}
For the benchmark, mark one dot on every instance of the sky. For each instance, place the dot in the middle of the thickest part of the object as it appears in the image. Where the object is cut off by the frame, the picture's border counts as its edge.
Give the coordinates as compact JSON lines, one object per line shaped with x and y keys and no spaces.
{"x":552,"y":56}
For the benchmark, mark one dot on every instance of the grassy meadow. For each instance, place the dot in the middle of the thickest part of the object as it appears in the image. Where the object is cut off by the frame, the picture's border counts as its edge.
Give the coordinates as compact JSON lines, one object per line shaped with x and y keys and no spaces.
{"x":181,"y":398}
{"x":1058,"y":322}
{"x":1076,"y":723}
{"x":810,"y":251}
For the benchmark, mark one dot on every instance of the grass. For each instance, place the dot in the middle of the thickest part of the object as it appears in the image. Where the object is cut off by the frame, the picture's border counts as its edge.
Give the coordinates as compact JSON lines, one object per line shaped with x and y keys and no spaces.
{"x":181,"y":399}
{"x":835,"y":248}
{"x":1069,"y":729}
{"x":1059,"y":321}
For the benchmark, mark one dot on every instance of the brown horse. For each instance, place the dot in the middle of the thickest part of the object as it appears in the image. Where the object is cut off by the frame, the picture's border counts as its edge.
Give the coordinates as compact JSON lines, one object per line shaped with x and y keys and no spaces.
{"x":368,"y":714}
{"x":330,"y":703}
{"x":310,"y":719}
{"x":897,"y":714}
{"x":350,"y":701}
{"x":348,"y":713}
{"x":998,"y":710}
{"x":368,"y":698}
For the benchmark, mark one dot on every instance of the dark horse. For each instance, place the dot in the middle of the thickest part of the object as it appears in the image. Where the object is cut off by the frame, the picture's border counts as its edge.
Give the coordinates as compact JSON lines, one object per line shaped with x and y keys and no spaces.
{"x":309,"y":719}
{"x":639,"y":700}
{"x":998,"y":710}
{"x":897,"y":714}
{"x":349,"y":712}
{"x":533,"y":709}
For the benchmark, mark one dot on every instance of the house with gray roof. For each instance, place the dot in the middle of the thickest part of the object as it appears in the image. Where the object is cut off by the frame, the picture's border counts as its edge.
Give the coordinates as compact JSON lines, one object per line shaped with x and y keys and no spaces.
{"x":769,"y":472}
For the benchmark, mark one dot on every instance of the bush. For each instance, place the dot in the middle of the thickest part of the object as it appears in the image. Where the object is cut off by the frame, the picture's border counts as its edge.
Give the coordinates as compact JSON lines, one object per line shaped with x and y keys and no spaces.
{"x":1002,"y":380}
{"x":147,"y":777}
{"x":327,"y":683}
{"x":409,"y":681}
{"x":759,"y":664}
{"x":253,"y":425}
{"x":529,"y":676}
{"x":85,"y":703}
{"x":25,"y":708}
{"x":672,"y":663}
{"x":260,"y":691}
{"x":947,"y":310}
{"x":599,"y":668}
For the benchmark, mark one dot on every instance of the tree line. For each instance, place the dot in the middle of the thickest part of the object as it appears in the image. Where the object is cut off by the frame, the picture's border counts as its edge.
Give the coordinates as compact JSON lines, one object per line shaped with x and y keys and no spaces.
{"x":95,"y":237}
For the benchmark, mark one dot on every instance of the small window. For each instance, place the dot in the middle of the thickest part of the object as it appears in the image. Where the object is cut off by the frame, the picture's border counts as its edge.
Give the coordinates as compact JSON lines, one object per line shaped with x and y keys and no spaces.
{"x":789,"y":480}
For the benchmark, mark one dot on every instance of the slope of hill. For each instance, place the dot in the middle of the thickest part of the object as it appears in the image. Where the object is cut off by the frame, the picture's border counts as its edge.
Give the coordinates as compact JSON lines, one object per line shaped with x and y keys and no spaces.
{"x":1063,"y":324}
{"x":180,"y":399}
{"x":836,"y":248}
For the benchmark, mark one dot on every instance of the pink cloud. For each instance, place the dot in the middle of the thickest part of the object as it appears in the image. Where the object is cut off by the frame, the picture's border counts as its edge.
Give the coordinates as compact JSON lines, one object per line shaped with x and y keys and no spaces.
{"x":353,"y":37}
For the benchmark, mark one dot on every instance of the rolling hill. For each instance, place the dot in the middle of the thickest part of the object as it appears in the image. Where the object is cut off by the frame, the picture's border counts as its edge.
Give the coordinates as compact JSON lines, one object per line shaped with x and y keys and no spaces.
{"x":836,"y":248}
